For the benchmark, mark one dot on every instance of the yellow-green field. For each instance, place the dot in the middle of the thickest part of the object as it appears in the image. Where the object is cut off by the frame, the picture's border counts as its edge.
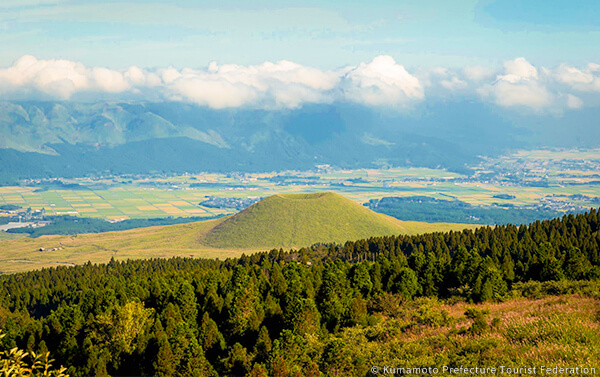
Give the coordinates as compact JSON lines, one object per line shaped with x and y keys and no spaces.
{"x":154,"y":242}
{"x":10,"y":236}
{"x":557,"y":154}
{"x":118,"y":202}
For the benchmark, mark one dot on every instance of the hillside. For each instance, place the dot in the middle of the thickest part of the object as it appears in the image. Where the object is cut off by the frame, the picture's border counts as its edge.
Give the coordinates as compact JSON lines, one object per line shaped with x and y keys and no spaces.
{"x":278,"y":221}
{"x":293,"y":220}
{"x":501,"y":297}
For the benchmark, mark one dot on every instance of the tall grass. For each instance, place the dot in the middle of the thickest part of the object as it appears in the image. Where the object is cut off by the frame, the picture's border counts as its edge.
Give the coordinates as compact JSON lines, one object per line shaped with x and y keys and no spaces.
{"x":551,"y":331}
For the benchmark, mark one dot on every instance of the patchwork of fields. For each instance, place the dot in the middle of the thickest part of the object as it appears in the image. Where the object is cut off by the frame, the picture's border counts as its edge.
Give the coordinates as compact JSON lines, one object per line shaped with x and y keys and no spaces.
{"x":115,"y":203}
{"x":145,"y":197}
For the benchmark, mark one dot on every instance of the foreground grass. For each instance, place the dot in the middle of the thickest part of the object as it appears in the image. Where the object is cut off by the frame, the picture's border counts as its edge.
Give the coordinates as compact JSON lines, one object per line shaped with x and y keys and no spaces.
{"x":561,"y":331}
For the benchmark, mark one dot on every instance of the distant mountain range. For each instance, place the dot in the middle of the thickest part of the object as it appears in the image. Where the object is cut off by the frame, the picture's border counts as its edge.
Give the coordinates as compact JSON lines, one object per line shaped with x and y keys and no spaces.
{"x":62,"y":139}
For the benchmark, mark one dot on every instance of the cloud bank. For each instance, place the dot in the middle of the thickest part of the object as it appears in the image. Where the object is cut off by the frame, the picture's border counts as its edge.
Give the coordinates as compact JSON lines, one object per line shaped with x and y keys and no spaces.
{"x":382,"y":82}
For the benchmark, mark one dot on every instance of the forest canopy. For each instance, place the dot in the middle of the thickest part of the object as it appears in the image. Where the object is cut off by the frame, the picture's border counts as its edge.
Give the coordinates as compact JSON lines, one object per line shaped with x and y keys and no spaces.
{"x":294,"y":313}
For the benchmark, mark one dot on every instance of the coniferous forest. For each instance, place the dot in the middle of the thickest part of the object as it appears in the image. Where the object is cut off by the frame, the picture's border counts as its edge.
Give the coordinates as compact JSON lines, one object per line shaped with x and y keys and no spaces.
{"x":328,"y":310}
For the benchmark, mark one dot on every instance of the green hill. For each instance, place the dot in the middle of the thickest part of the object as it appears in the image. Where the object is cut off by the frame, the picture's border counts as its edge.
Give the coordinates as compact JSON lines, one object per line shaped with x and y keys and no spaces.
{"x":293,"y":220}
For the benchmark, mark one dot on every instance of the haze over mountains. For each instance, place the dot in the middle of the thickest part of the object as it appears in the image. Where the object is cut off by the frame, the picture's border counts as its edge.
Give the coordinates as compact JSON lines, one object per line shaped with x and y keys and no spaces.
{"x":50,"y":139}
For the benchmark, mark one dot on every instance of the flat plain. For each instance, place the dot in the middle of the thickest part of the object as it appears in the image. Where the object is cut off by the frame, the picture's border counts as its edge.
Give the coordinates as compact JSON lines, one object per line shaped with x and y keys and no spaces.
{"x":561,"y":179}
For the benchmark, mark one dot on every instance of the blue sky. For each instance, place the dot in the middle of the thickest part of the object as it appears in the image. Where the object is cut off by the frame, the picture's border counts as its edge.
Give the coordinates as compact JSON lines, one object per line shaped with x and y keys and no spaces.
{"x":322,"y":34}
{"x":533,"y":55}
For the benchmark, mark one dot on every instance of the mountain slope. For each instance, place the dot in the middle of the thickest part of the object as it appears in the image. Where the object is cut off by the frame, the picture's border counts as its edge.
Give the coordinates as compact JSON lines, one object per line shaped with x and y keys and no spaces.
{"x":292,"y":220}
{"x":32,"y":126}
{"x":65,"y":139}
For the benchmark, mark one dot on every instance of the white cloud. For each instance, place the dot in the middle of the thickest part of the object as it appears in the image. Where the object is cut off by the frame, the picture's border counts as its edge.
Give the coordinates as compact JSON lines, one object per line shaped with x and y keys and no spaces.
{"x":168,"y":75}
{"x":214,"y":93}
{"x":519,"y":69}
{"x":453,"y":83}
{"x":520,"y":85}
{"x":60,"y":78}
{"x":382,"y":82}
{"x":269,"y":85}
{"x":440,"y":71}
{"x":572,"y":75}
{"x":530,"y":94}
{"x":584,"y":80}
{"x":109,"y":81}
{"x":135,"y":76}
{"x":285,"y":84}
{"x":447,"y":79}
{"x":593,"y":67}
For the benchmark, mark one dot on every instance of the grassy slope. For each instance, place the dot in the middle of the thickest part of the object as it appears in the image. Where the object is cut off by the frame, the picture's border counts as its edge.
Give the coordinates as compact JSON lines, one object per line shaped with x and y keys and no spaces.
{"x":254,"y":231}
{"x":11,"y":236}
{"x":552,"y":331}
{"x":294,"y":220}
{"x":153,"y":242}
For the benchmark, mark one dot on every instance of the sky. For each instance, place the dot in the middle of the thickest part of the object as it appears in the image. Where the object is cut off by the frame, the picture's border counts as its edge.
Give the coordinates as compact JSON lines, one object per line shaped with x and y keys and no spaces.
{"x":534,"y":55}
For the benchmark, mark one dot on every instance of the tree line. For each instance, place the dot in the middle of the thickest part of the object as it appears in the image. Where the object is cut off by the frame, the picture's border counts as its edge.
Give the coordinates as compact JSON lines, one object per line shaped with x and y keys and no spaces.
{"x":424,"y":208}
{"x":69,"y":225}
{"x":273,"y":313}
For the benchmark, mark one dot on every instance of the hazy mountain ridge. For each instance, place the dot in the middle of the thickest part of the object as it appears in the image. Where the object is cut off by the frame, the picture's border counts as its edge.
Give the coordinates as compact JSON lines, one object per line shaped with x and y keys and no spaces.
{"x":73,"y":139}
{"x":28,"y":127}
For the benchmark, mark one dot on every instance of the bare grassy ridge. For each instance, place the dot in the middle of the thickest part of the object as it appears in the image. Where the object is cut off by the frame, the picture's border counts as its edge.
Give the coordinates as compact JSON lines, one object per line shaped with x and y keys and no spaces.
{"x":299,"y":220}
{"x":561,"y":331}
{"x":296,"y":220}
{"x":181,"y":240}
